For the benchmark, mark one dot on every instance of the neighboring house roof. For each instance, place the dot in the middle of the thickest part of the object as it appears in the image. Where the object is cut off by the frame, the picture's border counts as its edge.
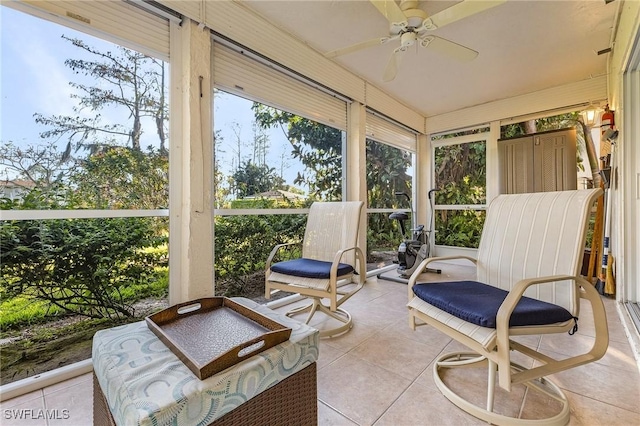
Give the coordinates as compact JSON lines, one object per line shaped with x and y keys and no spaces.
{"x":15,"y":189}
{"x":17,"y":183}
{"x":277,"y":194}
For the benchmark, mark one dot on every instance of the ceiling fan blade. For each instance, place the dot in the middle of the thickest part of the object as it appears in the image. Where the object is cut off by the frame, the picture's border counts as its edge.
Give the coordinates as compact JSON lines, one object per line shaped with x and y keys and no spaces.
{"x":359,"y":46}
{"x":390,"y":10}
{"x":459,"y":11}
{"x":448,"y":48}
{"x":391,"y":69}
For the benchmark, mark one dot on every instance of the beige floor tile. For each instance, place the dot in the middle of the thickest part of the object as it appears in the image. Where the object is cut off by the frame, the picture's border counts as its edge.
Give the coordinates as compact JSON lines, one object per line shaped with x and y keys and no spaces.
{"x":426,"y":378}
{"x":327,"y":416}
{"x":85,"y":378}
{"x":18,"y":400}
{"x":583,"y":411}
{"x":424,"y":334}
{"x":358,"y":334}
{"x":74,"y":402}
{"x":358,"y":390}
{"x":379,"y":316}
{"x":471,"y":384}
{"x":601,"y":382}
{"x":23,"y":411}
{"x":619,"y":354}
{"x":368,"y":375}
{"x":396,"y":301}
{"x":328,"y":354}
{"x":420,"y":405}
{"x":405,"y":357}
{"x":362,"y":298}
{"x":540,"y":406}
{"x":589,"y":412}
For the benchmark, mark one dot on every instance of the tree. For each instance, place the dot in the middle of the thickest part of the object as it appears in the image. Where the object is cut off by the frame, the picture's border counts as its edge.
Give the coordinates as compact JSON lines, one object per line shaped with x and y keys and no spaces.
{"x":317,"y":146}
{"x":126,"y":80}
{"x":460,"y":176}
{"x":386,"y":173}
{"x":87,"y":266}
{"x":79,"y":266}
{"x":123,"y":178}
{"x":260,"y":144}
{"x":253,"y":179}
{"x":39,"y":166}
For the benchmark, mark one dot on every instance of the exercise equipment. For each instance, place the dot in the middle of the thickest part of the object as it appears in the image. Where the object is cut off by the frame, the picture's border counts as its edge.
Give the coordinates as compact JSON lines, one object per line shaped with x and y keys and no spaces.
{"x":416,"y":244}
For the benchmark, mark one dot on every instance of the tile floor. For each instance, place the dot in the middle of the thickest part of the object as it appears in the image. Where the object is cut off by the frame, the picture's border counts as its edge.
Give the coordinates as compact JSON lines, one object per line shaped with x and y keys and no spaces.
{"x":380,"y":373}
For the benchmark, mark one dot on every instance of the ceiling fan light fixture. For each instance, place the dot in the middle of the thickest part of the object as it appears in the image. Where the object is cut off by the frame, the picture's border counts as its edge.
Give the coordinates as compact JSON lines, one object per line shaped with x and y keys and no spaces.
{"x":408,"y":39}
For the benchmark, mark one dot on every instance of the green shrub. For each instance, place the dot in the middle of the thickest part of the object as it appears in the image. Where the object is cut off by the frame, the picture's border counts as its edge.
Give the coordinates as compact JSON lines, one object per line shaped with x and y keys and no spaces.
{"x":243,"y":244}
{"x":78,"y":265}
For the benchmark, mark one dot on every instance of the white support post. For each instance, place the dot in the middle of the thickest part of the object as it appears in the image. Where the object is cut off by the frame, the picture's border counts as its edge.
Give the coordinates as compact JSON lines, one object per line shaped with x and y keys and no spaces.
{"x":191,"y":165}
{"x":356,"y":165}
{"x":422,"y":181}
{"x":493,"y":166}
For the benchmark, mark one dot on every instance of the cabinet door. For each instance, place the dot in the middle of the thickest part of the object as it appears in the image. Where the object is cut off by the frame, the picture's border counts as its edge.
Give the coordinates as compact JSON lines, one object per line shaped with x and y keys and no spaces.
{"x":516,"y":165}
{"x":554,"y":160}
{"x":538,"y":163}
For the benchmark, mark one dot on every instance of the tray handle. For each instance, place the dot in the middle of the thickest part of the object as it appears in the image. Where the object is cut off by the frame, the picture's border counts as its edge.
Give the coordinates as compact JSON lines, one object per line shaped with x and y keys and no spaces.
{"x":254,"y":346}
{"x":189,"y":308}
{"x":185,"y":309}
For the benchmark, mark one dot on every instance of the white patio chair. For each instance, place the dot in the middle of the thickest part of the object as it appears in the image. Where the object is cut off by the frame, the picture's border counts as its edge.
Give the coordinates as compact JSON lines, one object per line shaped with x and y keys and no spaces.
{"x":527,"y":283}
{"x":330,"y":263}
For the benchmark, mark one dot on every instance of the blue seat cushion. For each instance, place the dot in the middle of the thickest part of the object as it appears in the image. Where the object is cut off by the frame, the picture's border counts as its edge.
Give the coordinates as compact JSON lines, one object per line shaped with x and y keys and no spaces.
{"x":478,"y":303}
{"x":309,"y":268}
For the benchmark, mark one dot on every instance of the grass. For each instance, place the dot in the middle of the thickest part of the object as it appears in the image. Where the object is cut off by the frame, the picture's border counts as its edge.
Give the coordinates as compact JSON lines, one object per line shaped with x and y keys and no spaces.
{"x":25,"y":311}
{"x":42,"y":343}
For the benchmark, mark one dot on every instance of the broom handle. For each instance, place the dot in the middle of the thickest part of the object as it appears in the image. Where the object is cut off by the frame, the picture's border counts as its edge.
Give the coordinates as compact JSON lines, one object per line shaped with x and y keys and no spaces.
{"x":607,"y":221}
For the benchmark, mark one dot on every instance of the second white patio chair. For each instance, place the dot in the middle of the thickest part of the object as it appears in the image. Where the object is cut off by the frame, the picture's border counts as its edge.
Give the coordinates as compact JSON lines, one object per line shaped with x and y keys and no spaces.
{"x":527,"y":283}
{"x":331,"y":267}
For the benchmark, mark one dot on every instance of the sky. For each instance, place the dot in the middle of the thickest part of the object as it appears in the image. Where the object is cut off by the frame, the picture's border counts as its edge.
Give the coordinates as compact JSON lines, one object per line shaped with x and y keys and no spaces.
{"x":34,"y":79}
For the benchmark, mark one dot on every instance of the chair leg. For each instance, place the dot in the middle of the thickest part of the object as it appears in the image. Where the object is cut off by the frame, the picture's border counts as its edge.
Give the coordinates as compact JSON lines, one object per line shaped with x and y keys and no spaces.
{"x":491,"y":387}
{"x":339,"y":315}
{"x":466,"y":359}
{"x":311,"y":307}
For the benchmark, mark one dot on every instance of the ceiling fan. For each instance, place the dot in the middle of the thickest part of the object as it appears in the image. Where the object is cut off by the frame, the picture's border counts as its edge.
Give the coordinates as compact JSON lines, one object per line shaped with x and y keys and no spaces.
{"x":411,"y":25}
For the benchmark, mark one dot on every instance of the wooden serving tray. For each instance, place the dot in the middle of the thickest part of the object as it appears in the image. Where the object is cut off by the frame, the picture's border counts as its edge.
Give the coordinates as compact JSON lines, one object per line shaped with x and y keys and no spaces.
{"x":212,"y":334}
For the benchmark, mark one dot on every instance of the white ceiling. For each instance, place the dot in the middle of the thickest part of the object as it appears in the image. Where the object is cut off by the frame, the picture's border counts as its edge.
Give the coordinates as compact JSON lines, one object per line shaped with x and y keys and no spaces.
{"x":524,"y":46}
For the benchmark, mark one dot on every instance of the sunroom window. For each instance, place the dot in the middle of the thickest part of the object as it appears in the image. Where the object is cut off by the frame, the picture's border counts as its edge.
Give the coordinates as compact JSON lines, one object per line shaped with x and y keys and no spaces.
{"x":84,"y":182}
{"x":390,"y":161}
{"x":270,"y":165}
{"x":460,"y":179}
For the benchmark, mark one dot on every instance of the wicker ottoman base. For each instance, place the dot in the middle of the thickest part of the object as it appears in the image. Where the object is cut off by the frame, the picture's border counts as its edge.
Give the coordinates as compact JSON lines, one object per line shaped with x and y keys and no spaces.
{"x":293,"y":401}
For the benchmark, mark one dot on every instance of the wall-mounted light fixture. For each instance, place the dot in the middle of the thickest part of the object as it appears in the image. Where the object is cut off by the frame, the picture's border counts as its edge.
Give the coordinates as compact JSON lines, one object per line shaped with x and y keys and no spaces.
{"x":591,"y":115}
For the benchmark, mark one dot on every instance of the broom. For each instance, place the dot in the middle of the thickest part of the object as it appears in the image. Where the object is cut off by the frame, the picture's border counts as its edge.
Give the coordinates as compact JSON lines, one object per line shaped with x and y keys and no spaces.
{"x":610,"y":284}
{"x":609,"y":135}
